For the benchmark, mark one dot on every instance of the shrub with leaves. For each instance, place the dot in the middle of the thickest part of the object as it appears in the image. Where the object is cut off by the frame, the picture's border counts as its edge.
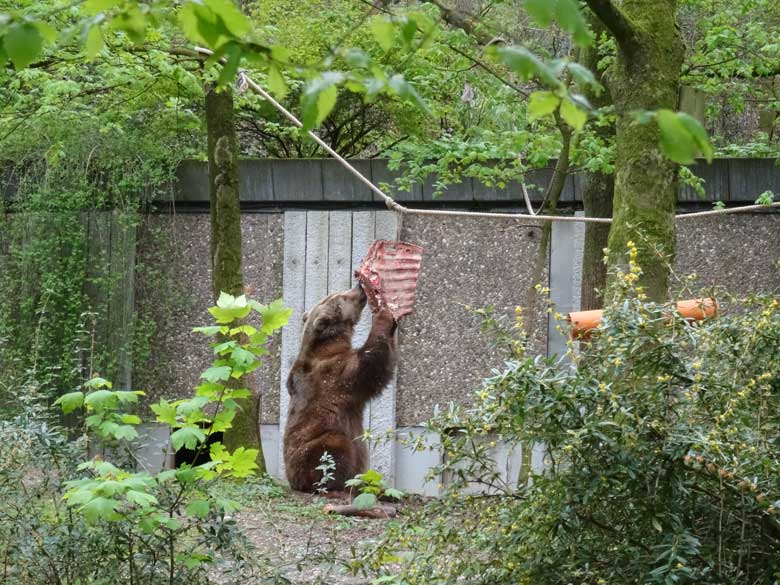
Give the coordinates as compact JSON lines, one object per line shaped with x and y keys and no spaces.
{"x":661,"y":460}
{"x":173,"y":525}
{"x":371,"y":486}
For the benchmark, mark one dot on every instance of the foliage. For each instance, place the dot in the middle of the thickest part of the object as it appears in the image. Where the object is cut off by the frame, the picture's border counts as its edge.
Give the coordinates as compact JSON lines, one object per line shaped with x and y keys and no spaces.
{"x":126,"y":525}
{"x":371,"y":486}
{"x":659,"y":463}
{"x":327,"y":466}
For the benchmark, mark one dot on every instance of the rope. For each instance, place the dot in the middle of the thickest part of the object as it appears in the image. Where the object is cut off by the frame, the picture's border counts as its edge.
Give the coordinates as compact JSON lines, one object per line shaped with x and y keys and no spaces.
{"x":393,"y":205}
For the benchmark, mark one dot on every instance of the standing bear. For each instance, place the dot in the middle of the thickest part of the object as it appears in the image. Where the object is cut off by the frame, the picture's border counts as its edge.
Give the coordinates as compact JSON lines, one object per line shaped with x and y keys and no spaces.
{"x":330,"y":384}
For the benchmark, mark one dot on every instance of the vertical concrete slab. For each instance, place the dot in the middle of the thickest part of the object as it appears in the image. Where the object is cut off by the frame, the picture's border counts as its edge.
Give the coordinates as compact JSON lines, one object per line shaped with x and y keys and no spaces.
{"x":382,"y":408}
{"x":294,"y":286}
{"x":339,"y":251}
{"x":412,"y":467}
{"x":269,"y":437}
{"x":363,"y":225}
{"x":151,"y":447}
{"x":565,"y":278}
{"x":316,"y":257}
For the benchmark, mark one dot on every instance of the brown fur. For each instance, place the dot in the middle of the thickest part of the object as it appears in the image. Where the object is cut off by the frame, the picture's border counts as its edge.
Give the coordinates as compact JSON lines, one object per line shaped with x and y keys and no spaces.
{"x":330,"y":384}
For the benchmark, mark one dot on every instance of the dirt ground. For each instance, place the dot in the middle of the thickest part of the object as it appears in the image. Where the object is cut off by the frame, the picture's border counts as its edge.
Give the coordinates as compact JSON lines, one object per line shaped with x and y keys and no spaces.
{"x":298,"y":543}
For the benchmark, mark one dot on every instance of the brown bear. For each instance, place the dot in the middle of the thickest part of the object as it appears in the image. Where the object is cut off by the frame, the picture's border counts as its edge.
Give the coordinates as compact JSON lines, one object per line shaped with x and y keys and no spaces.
{"x":330,"y":384}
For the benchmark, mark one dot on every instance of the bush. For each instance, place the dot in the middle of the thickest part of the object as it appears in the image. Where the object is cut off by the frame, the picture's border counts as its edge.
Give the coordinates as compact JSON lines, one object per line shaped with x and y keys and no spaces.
{"x":101,"y":521}
{"x":661,"y":461}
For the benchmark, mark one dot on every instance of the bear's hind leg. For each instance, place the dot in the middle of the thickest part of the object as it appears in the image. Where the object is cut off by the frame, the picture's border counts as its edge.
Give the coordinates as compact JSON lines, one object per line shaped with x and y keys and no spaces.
{"x":344,"y":453}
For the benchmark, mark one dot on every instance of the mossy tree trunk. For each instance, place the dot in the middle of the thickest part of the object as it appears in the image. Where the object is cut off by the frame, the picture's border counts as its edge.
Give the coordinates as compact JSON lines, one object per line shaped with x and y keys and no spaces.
{"x":645,"y":76}
{"x":226,"y":272}
{"x":598,"y":194}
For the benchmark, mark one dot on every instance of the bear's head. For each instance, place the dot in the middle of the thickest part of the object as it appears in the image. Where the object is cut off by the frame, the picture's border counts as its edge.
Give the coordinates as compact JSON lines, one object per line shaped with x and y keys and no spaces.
{"x":333,"y":317}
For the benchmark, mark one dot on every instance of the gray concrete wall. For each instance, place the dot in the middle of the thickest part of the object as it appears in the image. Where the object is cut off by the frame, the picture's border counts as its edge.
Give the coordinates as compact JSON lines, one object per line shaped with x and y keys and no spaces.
{"x":178,"y":246}
{"x":303,"y":254}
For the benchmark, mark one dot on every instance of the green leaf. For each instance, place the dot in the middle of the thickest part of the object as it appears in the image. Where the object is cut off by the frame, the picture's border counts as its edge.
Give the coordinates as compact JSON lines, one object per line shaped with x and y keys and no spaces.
{"x":584,"y":76}
{"x":364,"y":501}
{"x":766,"y":198}
{"x":406,"y":90}
{"x":133,"y":22}
{"x":699,"y":134}
{"x":230,"y":308}
{"x":198,"y":508}
{"x":210,"y":331}
{"x":140,"y":498}
{"x":94,"y":42}
{"x":128,"y":396}
{"x":23,"y":44}
{"x":682,"y":137}
{"x":131,"y":419}
{"x":356,"y":58}
{"x":394,"y":493}
{"x":70,"y":401}
{"x":371,"y":477}
{"x":100,"y":509}
{"x":97,"y":382}
{"x":383,"y":31}
{"x":542,"y":11}
{"x":573,"y":116}
{"x":276,"y":82}
{"x":240,"y":463}
{"x":570,"y":18}
{"x":325,"y":103}
{"x":216,"y":374}
{"x":222,"y":421}
{"x":100,"y":398}
{"x":120,"y":432}
{"x":209,"y":390}
{"x":242,"y":357}
{"x":235,"y":21}
{"x":165,"y":411}
{"x":189,"y":436}
{"x":525,"y":64}
{"x":541,"y":104}
{"x":275,"y":316}
{"x":232,"y":53}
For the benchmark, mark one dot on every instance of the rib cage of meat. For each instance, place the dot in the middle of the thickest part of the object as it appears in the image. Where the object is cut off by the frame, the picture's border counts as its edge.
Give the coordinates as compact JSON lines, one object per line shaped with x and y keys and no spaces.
{"x":389,"y":275}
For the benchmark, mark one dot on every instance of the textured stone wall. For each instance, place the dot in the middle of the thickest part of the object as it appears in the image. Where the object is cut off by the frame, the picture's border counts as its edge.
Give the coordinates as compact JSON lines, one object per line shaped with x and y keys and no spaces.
{"x":178,"y":246}
{"x":739,"y":253}
{"x":474,"y":262}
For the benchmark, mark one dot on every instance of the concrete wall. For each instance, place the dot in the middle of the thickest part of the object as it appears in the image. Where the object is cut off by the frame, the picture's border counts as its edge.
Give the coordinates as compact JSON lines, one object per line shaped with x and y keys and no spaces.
{"x":306,"y":226}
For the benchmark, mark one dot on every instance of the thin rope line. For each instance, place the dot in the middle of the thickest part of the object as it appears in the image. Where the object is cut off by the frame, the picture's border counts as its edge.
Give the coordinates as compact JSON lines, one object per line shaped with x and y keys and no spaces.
{"x":393,"y":205}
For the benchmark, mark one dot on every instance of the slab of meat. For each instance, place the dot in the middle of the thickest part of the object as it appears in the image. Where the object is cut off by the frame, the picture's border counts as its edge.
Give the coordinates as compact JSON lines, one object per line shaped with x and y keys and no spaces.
{"x":389,"y":275}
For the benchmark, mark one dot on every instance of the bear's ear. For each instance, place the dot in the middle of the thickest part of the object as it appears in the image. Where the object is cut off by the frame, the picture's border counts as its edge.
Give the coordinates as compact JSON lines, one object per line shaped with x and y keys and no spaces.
{"x":305,"y":316}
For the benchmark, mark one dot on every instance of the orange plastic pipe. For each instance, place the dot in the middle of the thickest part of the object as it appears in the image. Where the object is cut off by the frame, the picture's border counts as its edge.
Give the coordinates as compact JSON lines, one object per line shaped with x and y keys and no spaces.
{"x":583,"y":322}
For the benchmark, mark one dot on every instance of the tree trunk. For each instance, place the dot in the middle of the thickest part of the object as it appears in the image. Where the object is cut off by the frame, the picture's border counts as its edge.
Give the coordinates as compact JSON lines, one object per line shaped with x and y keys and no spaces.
{"x":597,"y":201}
{"x":550,"y":206}
{"x":597,"y":198}
{"x":226,"y":273}
{"x":646,"y":76}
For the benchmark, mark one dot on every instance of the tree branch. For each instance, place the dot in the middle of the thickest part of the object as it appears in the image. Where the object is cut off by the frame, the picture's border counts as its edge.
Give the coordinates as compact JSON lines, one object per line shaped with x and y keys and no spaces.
{"x":616,"y":23}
